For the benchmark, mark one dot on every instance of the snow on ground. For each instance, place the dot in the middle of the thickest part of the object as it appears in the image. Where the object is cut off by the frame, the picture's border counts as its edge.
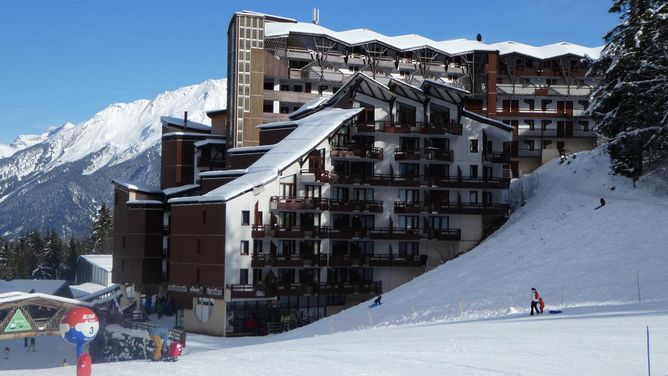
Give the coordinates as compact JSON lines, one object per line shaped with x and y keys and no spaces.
{"x":470,"y":316}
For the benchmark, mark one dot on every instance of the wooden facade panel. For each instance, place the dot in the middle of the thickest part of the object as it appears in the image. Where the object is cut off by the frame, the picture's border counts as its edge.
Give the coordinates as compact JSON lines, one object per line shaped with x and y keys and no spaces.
{"x":274,"y":136}
{"x":177,"y":162}
{"x":241,"y":161}
{"x":199,"y":249}
{"x":209,"y":184}
{"x":136,"y":270}
{"x":198,"y":219}
{"x":197,"y":274}
{"x":274,"y":67}
{"x":145,"y":220}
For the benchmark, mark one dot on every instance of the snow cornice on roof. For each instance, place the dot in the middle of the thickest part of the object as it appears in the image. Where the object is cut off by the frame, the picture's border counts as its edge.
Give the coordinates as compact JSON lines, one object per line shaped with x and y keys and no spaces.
{"x":186,"y":125}
{"x":136,"y":187}
{"x":410,"y":42}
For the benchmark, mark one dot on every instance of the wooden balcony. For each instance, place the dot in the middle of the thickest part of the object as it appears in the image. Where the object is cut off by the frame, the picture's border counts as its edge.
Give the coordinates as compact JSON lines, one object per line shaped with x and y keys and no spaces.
{"x":397,"y":260}
{"x":452,"y":128}
{"x":373,"y":206}
{"x":374,"y":153}
{"x":492,"y":157}
{"x":391,"y":233}
{"x":427,"y":154}
{"x":468,"y":208}
{"x":340,"y":288}
{"x":345,"y":260}
{"x":299,"y":203}
{"x":467,"y":182}
{"x":299,"y":289}
{"x":407,"y":207}
{"x":450,"y":234}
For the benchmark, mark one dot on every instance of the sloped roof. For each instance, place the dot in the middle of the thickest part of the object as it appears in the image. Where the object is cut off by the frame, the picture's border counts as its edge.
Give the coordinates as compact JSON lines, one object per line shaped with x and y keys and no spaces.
{"x":411,"y":42}
{"x":105,"y":262}
{"x":181,"y":123}
{"x":137,"y":187}
{"x":310,"y":131}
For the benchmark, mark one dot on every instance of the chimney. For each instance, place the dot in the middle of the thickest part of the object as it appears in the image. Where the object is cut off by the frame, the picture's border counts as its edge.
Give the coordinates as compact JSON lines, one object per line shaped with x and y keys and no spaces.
{"x":185,"y":120}
{"x":316,"y":16}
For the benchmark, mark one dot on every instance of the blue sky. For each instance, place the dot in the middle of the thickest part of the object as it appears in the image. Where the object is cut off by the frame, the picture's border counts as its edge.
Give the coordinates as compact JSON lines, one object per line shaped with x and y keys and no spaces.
{"x":65,"y":60}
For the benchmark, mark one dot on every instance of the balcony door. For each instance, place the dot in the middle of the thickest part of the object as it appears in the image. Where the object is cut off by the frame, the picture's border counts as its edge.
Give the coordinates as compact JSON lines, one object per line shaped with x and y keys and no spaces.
{"x":406,"y":114}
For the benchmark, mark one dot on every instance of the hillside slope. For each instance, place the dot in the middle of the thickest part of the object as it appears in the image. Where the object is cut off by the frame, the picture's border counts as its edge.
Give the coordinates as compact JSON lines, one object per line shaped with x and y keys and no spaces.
{"x":57,"y":179}
{"x":557,"y":243}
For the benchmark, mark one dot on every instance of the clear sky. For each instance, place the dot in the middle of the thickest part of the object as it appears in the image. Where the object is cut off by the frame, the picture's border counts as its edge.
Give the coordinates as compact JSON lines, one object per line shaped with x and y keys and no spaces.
{"x":65,"y":60}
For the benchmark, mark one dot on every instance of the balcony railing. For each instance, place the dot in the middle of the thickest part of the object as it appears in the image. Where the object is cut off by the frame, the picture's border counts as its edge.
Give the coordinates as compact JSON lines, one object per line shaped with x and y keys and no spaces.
{"x":429,"y":153}
{"x":444,"y":234}
{"x":435,"y":128}
{"x":299,"y":203}
{"x":467,"y":208}
{"x":407,"y":206}
{"x":374,"y":206}
{"x":397,"y":260}
{"x":494,"y":157}
{"x":262,"y":290}
{"x":424,"y":180}
{"x":357,"y":152}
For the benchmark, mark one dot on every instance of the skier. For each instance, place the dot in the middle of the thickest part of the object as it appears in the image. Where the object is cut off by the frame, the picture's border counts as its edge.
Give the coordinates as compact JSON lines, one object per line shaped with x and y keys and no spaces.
{"x":601,"y":205}
{"x":534,"y":301}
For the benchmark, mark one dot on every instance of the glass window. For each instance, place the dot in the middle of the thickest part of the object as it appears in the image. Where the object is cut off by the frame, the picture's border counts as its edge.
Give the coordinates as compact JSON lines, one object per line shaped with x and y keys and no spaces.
{"x":407,"y":222}
{"x":245,"y":217}
{"x":244,"y":247}
{"x":473,"y":146}
{"x":473,"y":197}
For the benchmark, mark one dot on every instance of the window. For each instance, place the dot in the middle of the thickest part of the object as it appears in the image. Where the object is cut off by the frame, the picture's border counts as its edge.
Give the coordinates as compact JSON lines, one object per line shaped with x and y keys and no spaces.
{"x":530,"y":144}
{"x":199,"y":246}
{"x":439,"y":222}
{"x":363,"y":194}
{"x":364,"y":247}
{"x":243,"y":276}
{"x":473,"y":146}
{"x":340,"y":194}
{"x":284,"y":109}
{"x":297,"y":88}
{"x":123,"y":241}
{"x":531,"y":124}
{"x":544,"y":103}
{"x":269,"y":85}
{"x":257,"y":246}
{"x":268,"y":107}
{"x":257,"y":276}
{"x":585,"y":125}
{"x":409,"y":195}
{"x":122,"y":264}
{"x":245,"y":217}
{"x":285,"y":87}
{"x":244,"y":247}
{"x":409,"y":170}
{"x":473,"y":197}
{"x":197,"y":275}
{"x":204,"y":217}
{"x":307,"y":87}
{"x":530,"y":102}
{"x":409,"y":249}
{"x":474,"y":171}
{"x":408,"y":222}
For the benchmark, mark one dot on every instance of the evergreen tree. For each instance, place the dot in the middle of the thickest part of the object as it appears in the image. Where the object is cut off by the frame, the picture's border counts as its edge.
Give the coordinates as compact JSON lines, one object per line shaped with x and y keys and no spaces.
{"x":630,"y":103}
{"x":75,"y":248}
{"x":101,"y":234}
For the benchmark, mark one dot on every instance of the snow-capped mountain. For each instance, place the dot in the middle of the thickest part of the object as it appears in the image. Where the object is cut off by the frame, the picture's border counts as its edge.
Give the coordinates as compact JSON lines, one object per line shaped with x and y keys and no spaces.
{"x":57,"y":179}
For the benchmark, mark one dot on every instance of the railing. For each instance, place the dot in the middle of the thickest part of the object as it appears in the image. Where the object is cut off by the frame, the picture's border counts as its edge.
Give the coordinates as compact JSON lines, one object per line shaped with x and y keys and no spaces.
{"x":494,"y":157}
{"x":374,"y":206}
{"x":352,"y":151}
{"x":428,"y":153}
{"x":395,"y":233}
{"x":424,"y":180}
{"x":262,"y":290}
{"x":397,"y":260}
{"x":435,"y":128}
{"x":297,"y":203}
{"x":467,"y":208}
{"x":444,"y":234}
{"x":407,"y":206}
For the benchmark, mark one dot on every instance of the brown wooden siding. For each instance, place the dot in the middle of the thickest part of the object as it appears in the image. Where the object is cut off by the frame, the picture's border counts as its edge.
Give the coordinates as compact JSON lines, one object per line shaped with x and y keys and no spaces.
{"x":197,"y":243}
{"x":239,"y":161}
{"x":273,"y":136}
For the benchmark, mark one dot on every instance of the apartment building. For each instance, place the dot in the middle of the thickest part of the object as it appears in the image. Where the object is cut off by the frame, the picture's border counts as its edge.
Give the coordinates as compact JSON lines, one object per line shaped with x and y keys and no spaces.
{"x":276,"y":64}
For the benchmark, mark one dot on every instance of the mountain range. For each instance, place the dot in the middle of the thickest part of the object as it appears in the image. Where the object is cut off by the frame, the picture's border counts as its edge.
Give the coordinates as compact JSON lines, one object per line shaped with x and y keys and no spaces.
{"x":58,"y":179}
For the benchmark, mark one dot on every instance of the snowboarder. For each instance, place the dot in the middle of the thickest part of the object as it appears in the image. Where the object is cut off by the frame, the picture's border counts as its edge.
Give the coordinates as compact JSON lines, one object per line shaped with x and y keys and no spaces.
{"x":376,"y":302}
{"x":534,"y":301}
{"x":601,"y":205}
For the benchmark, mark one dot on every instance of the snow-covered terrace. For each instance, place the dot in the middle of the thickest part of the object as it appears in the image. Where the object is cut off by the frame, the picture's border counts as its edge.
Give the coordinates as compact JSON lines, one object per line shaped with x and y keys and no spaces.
{"x":410,"y":42}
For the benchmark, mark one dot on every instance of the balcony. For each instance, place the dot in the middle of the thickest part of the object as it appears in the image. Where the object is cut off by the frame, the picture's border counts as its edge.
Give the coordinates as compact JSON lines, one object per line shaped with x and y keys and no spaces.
{"x":453,"y":128}
{"x":261,"y":290}
{"x":345,"y":260}
{"x":392,"y":233}
{"x":407,"y":207}
{"x":261,"y":260}
{"x":493,"y":157}
{"x":450,"y":234}
{"x":373,"y":206}
{"x":288,"y":232}
{"x":468,"y":208}
{"x":429,"y":154}
{"x":351,"y":151}
{"x":467,"y":182}
{"x":299,"y":203}
{"x":555,"y":133}
{"x":397,"y":260}
{"x":339,"y":288}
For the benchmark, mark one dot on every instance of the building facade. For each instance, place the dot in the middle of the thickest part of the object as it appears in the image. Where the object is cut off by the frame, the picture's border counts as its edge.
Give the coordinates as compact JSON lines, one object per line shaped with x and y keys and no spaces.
{"x":276,"y":64}
{"x":346,"y":164}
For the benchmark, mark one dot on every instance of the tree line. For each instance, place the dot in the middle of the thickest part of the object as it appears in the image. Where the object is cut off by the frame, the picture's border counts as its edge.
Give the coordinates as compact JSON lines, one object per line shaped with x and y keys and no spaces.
{"x":630,"y":103}
{"x":48,"y":255}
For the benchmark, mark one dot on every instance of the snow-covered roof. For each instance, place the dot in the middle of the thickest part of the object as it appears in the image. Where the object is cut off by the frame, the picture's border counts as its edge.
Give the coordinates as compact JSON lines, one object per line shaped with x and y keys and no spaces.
{"x":485,"y":120}
{"x":137,"y":187}
{"x":16,"y":297}
{"x":251,"y":149}
{"x":179,"y":122}
{"x":143,"y":202}
{"x":192,"y":134}
{"x":103,"y":261}
{"x":216,"y":112}
{"x":310,"y":105}
{"x":411,"y":42}
{"x":278,"y":124}
{"x":44,"y":286}
{"x":208,"y":141}
{"x":216,"y":174}
{"x":547,"y":51}
{"x":180,"y":189}
{"x":310,"y":131}
{"x":85,"y":289}
{"x":252,"y":13}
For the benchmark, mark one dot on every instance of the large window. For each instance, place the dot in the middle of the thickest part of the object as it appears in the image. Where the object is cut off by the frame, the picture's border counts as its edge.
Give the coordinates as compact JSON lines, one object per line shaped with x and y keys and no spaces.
{"x":439,"y":222}
{"x":244,"y":247}
{"x":363,"y":194}
{"x":407,"y":222}
{"x":409,"y":249}
{"x":409,"y":195}
{"x":473,"y":146}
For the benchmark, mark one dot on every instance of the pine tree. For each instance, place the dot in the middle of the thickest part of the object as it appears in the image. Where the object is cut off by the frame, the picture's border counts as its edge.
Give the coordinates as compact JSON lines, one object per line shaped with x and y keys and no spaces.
{"x":630,"y":104}
{"x":101,"y":234}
